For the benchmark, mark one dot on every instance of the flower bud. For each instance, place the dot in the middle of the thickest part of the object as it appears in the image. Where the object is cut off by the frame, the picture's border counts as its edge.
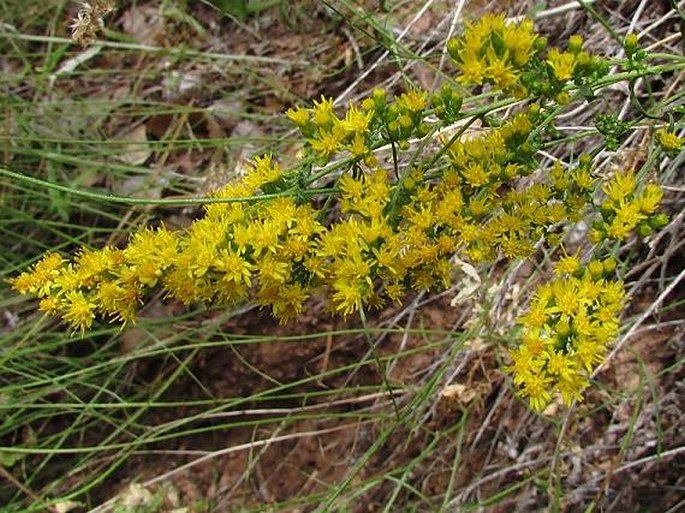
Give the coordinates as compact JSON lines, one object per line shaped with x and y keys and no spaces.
{"x":659,"y":221}
{"x":596,"y":268}
{"x":609,"y":265}
{"x":630,"y":44}
{"x":406,"y":122}
{"x":563,"y":98}
{"x":540,"y":44}
{"x":596,"y":236}
{"x":575,"y":44}
{"x":457,"y":101}
{"x":453,"y":48}
{"x":643,"y":229}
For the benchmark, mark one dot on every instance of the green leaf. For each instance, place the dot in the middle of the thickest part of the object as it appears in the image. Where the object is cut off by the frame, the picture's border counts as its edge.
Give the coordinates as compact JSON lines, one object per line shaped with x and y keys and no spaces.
{"x":9,"y":458}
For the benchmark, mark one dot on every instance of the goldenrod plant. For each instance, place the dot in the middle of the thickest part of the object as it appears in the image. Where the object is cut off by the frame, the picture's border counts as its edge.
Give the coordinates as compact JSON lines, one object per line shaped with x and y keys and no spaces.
{"x":386,"y":194}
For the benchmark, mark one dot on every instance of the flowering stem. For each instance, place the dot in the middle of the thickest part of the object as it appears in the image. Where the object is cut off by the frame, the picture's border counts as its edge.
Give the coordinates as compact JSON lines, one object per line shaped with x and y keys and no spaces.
{"x":381,"y":367}
{"x":647,"y":71}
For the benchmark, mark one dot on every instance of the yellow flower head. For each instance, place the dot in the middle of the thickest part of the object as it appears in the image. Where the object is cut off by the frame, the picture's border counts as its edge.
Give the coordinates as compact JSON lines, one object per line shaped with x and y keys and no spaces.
{"x":500,"y":71}
{"x":519,"y":40}
{"x":323,"y":115}
{"x":668,"y":140}
{"x":414,"y":101}
{"x":327,"y":143}
{"x":648,"y":200}
{"x":562,"y":64}
{"x":356,"y":121}
{"x":620,"y":186}
{"x":299,"y":116}
{"x":78,"y":310}
{"x":567,"y":265}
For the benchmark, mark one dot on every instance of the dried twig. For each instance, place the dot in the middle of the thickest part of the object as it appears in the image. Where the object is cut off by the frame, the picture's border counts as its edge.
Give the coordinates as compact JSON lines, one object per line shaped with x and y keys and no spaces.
{"x":89,"y":20}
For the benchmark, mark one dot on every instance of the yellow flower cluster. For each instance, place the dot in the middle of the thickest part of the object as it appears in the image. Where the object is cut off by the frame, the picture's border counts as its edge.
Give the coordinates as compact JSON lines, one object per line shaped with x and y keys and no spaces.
{"x":566,"y":331}
{"x":507,"y":56}
{"x":496,"y":217}
{"x":564,"y":64}
{"x":625,"y":209}
{"x":329,"y":134}
{"x":363,"y":128}
{"x":495,"y":52}
{"x":388,"y":238}
{"x":237,"y":251}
